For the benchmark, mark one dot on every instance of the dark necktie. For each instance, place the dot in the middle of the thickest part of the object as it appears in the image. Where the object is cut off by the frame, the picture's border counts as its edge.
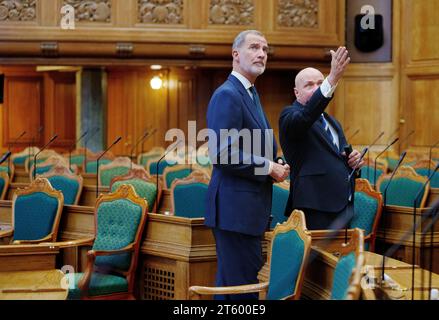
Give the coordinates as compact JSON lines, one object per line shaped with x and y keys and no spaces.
{"x":327,"y":130}
{"x":258,"y":105}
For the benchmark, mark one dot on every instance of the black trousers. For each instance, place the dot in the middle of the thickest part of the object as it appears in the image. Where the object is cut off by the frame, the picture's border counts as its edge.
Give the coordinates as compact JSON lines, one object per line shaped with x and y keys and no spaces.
{"x":324,"y":220}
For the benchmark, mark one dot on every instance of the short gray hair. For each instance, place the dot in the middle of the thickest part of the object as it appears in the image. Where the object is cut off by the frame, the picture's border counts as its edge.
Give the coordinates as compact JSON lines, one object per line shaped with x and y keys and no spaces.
{"x":240,"y":38}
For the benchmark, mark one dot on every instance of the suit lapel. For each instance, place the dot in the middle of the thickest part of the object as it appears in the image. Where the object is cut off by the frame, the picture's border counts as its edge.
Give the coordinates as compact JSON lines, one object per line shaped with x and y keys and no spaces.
{"x":249,"y":103}
{"x":320,"y":131}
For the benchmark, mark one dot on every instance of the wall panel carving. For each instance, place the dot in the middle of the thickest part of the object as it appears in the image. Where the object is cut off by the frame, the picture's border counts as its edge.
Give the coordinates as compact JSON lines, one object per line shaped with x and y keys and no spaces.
{"x":18,"y":10}
{"x":160,"y":11}
{"x":298,"y":13}
{"x":231,"y":12}
{"x":85,"y":11}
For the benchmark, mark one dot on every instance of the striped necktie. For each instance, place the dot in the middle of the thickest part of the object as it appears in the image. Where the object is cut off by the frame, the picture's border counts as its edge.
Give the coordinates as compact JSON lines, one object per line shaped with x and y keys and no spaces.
{"x":327,"y":130}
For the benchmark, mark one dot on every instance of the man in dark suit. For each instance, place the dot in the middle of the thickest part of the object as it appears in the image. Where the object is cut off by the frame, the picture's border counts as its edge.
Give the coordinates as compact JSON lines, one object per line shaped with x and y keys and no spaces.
{"x":241,"y":147}
{"x":313,"y":144}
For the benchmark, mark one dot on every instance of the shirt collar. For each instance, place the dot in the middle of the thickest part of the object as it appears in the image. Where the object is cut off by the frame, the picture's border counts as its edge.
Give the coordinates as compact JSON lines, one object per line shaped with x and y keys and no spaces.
{"x":247,"y":84}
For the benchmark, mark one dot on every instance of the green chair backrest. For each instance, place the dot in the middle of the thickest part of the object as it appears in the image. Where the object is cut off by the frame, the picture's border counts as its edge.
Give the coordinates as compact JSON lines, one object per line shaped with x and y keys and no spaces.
{"x":368,"y":172}
{"x":342,"y":275}
{"x":144,"y":189}
{"x":69,"y":188}
{"x":91,"y":166}
{"x":162,"y":165}
{"x":178,"y":174}
{"x":117,"y":224}
{"x":190,"y":200}
{"x":278,"y":205}
{"x":108,"y":174}
{"x":287,"y":254}
{"x":401,"y":192}
{"x":34,"y":215}
{"x":434,"y":182}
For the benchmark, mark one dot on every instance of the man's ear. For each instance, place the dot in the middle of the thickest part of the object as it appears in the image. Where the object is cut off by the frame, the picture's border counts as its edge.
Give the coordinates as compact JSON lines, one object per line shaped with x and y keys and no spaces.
{"x":235,"y":54}
{"x":296,"y":92}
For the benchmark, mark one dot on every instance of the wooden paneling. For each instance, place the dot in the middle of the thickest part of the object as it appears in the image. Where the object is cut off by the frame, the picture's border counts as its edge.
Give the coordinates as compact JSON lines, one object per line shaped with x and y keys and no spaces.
{"x":23,"y":107}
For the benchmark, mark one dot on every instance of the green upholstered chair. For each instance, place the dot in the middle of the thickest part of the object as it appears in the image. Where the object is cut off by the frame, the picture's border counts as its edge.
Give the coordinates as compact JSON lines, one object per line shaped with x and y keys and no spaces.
{"x":404,"y":187}
{"x":151,"y":166}
{"x":425,"y":168}
{"x":19,"y":158}
{"x":91,"y":161}
{"x":77,"y":157}
{"x":348,"y":270}
{"x":144,"y":186}
{"x":188,"y":196}
{"x":42,"y":157}
{"x":47,"y":164}
{"x":10,"y":170}
{"x":368,"y":206}
{"x":92,"y":166}
{"x":175,"y":172}
{"x":279,"y":200}
{"x":70,"y":184}
{"x":287,"y":261}
{"x":4,"y":184}
{"x":367,"y":171}
{"x":36,"y":212}
{"x":143,"y":158}
{"x":111,"y":263}
{"x":118,"y":167}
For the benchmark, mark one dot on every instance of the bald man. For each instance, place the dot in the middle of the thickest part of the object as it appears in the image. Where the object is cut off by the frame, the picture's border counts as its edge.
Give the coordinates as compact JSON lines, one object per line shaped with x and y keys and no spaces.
{"x":313,"y":144}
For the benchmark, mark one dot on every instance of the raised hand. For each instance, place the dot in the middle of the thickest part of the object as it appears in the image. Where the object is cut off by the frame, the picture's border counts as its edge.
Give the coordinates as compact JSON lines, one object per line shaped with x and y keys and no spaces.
{"x":340,"y":60}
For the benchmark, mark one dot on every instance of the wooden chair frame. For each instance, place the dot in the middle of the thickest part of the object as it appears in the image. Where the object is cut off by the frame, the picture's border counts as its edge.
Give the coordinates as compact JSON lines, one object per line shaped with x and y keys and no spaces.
{"x":5,"y":176}
{"x":409,"y":173}
{"x":296,"y":221}
{"x":24,"y":153}
{"x":141,"y":174}
{"x":363,"y":185}
{"x":123,"y":192}
{"x":39,"y":185}
{"x":60,"y":170}
{"x":11,"y":172}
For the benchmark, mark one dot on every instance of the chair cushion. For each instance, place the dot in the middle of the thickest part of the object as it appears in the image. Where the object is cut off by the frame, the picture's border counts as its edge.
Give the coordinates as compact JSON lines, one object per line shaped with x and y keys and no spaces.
{"x":144,"y":189}
{"x":69,"y":188}
{"x":100,"y":284}
{"x":118,"y":222}
{"x":402,"y":192}
{"x":189,"y":200}
{"x":365,"y":209}
{"x":342,"y":276}
{"x":20,"y":160}
{"x":108,"y":174}
{"x":278,"y":204}
{"x":162,"y":165}
{"x":91,"y":166}
{"x":34,"y":215}
{"x":78,"y":159}
{"x":286,"y":260}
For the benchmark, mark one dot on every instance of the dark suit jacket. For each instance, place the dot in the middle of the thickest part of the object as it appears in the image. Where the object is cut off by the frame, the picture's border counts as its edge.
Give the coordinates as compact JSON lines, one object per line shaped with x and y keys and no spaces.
{"x":237,"y":199}
{"x":319,"y":173}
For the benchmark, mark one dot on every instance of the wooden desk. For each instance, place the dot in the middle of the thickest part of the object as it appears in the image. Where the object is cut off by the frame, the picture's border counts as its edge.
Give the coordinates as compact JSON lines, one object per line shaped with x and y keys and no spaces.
{"x":27,"y":257}
{"x":33,"y":285}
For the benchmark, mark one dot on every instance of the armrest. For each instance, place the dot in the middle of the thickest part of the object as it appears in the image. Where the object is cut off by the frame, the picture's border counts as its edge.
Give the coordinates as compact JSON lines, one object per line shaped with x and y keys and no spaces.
{"x":46,"y":238}
{"x":128,"y":248}
{"x":72,"y":243}
{"x":6,"y":233}
{"x":196,"y":291}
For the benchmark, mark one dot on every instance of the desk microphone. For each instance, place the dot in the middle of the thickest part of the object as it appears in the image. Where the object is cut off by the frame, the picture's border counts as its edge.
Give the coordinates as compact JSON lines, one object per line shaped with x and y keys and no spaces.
{"x":368,"y":155}
{"x":12,"y":143}
{"x":376,"y":158}
{"x":97,"y":163}
{"x":430,"y":156}
{"x":5,"y":157}
{"x":85,"y":147}
{"x":35,"y":156}
{"x":170,"y":149}
{"x":74,"y":146}
{"x":143,"y":137}
{"x":32,"y":141}
{"x":354,"y":134}
{"x":401,"y":159}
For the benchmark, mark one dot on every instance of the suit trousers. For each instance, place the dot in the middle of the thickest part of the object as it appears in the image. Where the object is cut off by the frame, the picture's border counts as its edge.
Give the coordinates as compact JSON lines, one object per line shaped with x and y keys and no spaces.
{"x":239,"y":259}
{"x":324,"y":220}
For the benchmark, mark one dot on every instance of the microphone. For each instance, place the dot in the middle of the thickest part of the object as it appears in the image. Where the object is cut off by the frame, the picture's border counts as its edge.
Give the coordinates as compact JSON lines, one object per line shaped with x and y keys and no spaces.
{"x":354,"y":134}
{"x":35,"y":156}
{"x":170,"y":148}
{"x":368,"y":155}
{"x":5,"y":157}
{"x":414,"y":226}
{"x":407,"y":137}
{"x":85,"y":147}
{"x":429,"y":156}
{"x":146,"y":133}
{"x":401,"y":158}
{"x":376,"y":158}
{"x":97,"y":163}
{"x":9,"y":149}
{"x":74,"y":146}
{"x":150,"y":135}
{"x":32,"y":142}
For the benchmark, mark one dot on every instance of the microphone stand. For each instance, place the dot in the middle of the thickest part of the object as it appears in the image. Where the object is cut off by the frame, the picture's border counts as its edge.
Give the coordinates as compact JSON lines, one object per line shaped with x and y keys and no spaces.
{"x":354,"y":134}
{"x":375,"y":162}
{"x":85,"y":148}
{"x":74,"y":146}
{"x":401,"y":158}
{"x":363,"y":153}
{"x":35,"y":156}
{"x":171,"y":148}
{"x":143,"y":143}
{"x":414,"y":227}
{"x":368,"y":155}
{"x":430,"y":155}
{"x":40,"y":129}
{"x":9,"y":149}
{"x":5,"y":157}
{"x":97,"y":164}
{"x":145,"y":134}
